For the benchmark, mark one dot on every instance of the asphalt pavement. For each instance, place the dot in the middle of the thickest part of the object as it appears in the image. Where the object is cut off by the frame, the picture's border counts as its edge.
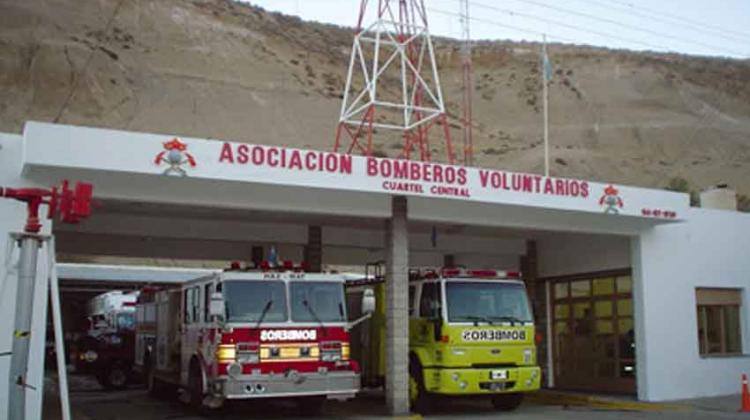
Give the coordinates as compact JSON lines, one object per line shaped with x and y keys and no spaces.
{"x":90,"y":402}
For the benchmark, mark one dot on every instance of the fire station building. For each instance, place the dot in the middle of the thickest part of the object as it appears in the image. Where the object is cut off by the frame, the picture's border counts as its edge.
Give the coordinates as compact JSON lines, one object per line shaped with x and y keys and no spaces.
{"x":633,"y":290}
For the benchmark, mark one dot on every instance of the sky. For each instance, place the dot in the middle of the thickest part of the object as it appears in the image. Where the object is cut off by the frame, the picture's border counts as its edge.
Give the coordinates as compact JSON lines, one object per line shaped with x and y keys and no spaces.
{"x":696,"y":27}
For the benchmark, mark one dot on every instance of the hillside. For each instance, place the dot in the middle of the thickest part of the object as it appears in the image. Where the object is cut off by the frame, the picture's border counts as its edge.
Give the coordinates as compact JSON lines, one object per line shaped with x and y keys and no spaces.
{"x":217,"y":69}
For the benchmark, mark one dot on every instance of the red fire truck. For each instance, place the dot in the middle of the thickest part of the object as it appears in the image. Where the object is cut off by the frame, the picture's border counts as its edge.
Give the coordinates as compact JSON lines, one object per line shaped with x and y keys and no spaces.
{"x":250,"y":334}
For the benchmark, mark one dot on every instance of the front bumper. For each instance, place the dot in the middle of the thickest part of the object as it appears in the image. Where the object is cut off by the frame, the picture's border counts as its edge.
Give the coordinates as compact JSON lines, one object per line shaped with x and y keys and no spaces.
{"x":335,"y":385}
{"x":469,"y":381}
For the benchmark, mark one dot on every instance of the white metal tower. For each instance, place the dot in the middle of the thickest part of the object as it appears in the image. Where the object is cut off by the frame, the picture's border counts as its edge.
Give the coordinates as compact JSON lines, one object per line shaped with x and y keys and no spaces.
{"x":392,"y":82}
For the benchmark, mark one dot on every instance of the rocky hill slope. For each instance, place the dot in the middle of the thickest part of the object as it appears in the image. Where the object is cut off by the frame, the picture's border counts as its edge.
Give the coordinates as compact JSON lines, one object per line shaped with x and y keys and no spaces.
{"x":218,"y":69}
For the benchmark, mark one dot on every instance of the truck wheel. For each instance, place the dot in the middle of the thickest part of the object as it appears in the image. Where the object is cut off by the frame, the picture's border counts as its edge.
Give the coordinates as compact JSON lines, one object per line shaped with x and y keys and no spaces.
{"x":507,"y":402}
{"x":156,"y":388}
{"x":115,"y":376}
{"x":418,"y":397}
{"x":311,"y":406}
{"x":195,"y":388}
{"x":197,"y":394}
{"x":152,"y":384}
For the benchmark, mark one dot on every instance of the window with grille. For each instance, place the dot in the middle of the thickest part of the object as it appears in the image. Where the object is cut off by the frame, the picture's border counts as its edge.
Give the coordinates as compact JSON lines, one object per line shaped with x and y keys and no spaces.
{"x":719,"y":321}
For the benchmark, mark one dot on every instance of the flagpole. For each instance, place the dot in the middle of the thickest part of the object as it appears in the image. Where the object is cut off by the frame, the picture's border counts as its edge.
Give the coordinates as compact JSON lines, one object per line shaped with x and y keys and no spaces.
{"x":545,"y":100}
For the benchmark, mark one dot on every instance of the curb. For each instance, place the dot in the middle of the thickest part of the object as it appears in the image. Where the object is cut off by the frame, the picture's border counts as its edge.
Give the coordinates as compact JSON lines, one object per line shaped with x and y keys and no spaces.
{"x":602,"y":403}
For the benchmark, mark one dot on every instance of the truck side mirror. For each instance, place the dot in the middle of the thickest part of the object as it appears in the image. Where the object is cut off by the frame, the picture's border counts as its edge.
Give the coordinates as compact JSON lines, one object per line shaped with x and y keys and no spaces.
{"x":217,"y":307}
{"x":368,"y":301}
{"x":368,"y":308}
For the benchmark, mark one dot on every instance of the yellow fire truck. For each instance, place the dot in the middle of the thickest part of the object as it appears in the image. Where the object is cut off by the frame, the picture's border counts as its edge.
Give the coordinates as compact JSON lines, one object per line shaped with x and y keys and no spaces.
{"x":471,"y":333}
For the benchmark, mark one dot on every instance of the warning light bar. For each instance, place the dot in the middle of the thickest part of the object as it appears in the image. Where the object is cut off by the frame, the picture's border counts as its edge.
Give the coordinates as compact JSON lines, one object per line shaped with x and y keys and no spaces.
{"x":479,"y":274}
{"x":265,"y":265}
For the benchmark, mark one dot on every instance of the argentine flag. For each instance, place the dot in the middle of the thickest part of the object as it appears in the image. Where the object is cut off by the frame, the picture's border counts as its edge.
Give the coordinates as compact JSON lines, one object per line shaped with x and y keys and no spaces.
{"x":547,"y":66}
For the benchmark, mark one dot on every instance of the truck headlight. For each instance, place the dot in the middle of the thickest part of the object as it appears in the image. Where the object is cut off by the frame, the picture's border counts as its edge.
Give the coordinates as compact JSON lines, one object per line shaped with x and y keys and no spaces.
{"x":345,"y":351}
{"x":226,"y":353}
{"x":90,"y":356}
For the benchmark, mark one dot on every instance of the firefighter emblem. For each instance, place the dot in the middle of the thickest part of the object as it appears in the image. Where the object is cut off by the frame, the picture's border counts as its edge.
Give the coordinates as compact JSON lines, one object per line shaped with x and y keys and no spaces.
{"x":175,"y":155}
{"x":611,"y":200}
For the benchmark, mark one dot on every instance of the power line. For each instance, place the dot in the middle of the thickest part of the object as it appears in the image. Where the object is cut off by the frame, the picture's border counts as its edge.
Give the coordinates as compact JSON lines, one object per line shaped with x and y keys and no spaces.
{"x":74,"y":86}
{"x":625,"y":25}
{"x":503,"y":25}
{"x":685,"y":21}
{"x":578,"y":28}
{"x":569,"y":26}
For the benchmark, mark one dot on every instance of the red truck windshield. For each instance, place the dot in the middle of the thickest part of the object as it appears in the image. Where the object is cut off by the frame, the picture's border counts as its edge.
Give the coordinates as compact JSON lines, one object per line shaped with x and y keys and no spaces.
{"x":246,"y":300}
{"x":321,"y":300}
{"x":311,"y":301}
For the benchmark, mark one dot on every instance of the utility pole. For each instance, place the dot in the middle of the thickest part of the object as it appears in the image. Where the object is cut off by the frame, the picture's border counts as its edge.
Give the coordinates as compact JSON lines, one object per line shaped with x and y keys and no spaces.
{"x":546,"y":76}
{"x":468,"y":83}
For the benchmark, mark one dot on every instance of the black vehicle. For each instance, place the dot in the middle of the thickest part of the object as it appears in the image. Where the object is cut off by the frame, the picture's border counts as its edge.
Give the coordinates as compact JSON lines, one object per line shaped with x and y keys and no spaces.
{"x":107,"y":355}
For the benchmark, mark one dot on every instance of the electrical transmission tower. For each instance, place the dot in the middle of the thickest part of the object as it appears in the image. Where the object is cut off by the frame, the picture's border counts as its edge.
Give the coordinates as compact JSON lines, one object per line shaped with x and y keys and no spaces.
{"x":468,"y":83}
{"x":393,"y":83}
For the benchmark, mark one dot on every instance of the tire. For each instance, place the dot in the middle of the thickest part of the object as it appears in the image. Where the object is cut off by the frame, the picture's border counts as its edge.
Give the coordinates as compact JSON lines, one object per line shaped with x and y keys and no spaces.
{"x":507,"y":402}
{"x":114,"y":377}
{"x":197,"y":393}
{"x":155,"y":386}
{"x":311,"y":406}
{"x":195,"y":388}
{"x":419,"y":399}
{"x":152,"y":384}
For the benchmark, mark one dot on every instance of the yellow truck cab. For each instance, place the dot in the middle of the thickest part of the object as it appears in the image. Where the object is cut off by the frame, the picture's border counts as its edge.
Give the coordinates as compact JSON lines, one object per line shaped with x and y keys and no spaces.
{"x":471,"y":333}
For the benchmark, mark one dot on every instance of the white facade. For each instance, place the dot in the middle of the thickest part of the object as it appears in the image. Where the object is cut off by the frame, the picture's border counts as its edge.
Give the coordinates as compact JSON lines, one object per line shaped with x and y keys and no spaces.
{"x":709,"y":249}
{"x":669,"y":262}
{"x":671,"y":248}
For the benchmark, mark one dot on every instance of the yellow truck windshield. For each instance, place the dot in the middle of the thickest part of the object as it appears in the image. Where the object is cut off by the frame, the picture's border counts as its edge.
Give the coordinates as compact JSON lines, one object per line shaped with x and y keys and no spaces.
{"x":486,"y":301}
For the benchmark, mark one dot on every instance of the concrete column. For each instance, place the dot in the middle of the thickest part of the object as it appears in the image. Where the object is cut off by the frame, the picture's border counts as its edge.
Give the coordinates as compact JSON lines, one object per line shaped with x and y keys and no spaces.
{"x":538,"y":296}
{"x":314,"y":248}
{"x":449,"y":260}
{"x":642,"y":342}
{"x":397,"y":310}
{"x":256,"y":255}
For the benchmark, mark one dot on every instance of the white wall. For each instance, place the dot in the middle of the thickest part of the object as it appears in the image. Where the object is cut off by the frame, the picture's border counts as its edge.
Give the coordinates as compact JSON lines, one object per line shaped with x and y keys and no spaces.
{"x":12,"y":218}
{"x":191,"y":237}
{"x":711,"y":250}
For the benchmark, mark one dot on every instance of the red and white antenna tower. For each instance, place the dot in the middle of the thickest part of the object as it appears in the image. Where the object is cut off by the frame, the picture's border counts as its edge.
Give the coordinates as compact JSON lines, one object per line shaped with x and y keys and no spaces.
{"x":468,"y":83}
{"x":393,"y":82}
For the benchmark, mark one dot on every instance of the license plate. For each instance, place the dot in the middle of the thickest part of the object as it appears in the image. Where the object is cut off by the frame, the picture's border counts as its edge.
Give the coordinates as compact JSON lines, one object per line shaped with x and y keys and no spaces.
{"x":498,"y":374}
{"x":497,"y":386}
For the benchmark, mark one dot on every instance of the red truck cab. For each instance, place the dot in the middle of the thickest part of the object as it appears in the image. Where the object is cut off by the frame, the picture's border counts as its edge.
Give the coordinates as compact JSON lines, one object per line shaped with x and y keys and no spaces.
{"x":249,"y":334}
